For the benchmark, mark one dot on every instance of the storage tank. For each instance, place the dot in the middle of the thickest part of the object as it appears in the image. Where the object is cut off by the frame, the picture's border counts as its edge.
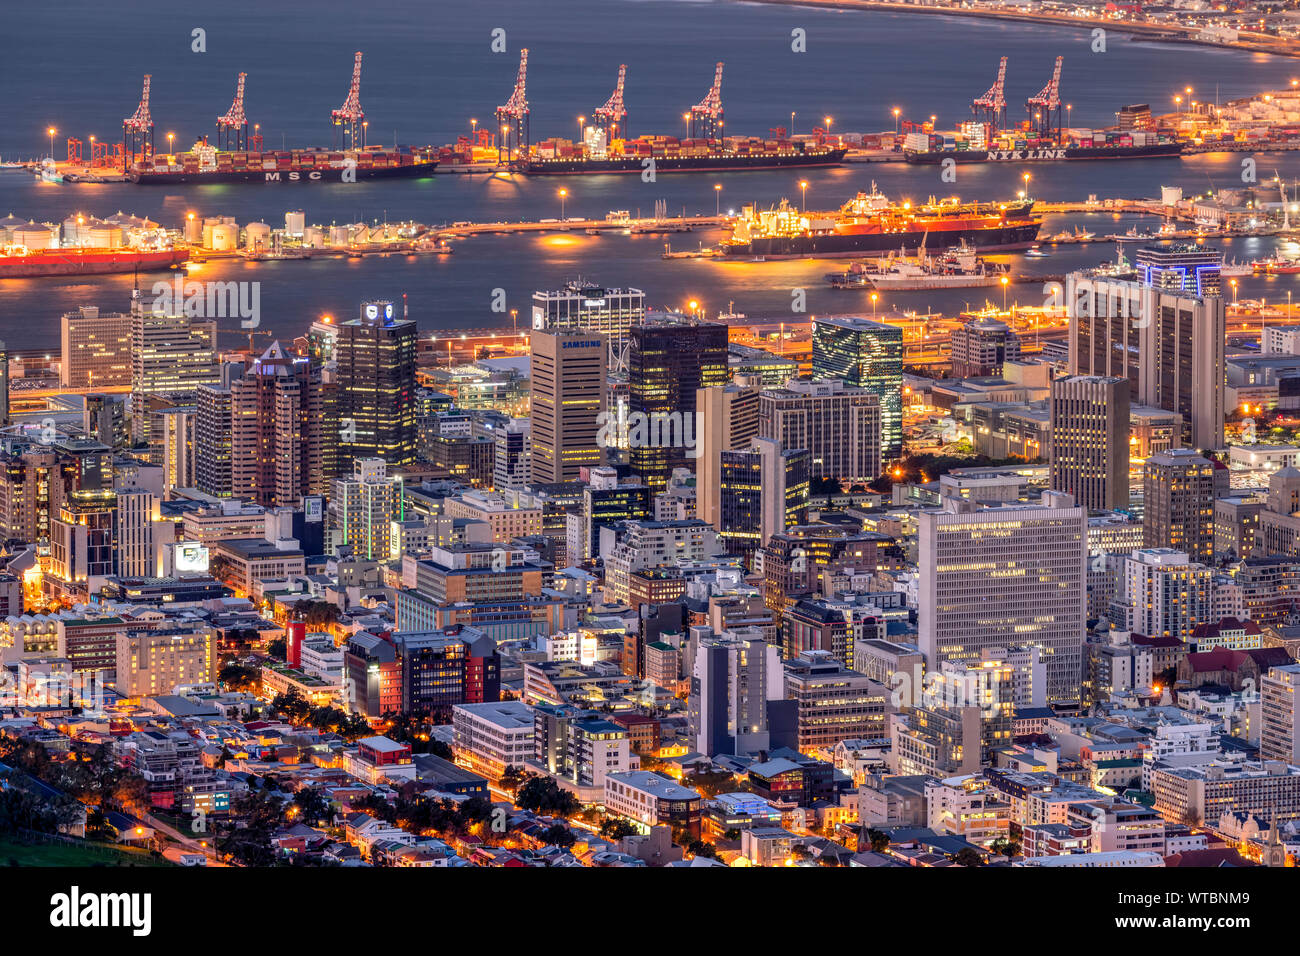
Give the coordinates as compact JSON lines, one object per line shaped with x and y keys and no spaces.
{"x":35,"y":235}
{"x":194,"y":230}
{"x":101,"y":235}
{"x":338,"y":235}
{"x":257,"y":235}
{"x":1171,"y":195}
{"x":313,"y":236}
{"x":359,"y":232}
{"x":225,"y":237}
{"x":294,"y":222}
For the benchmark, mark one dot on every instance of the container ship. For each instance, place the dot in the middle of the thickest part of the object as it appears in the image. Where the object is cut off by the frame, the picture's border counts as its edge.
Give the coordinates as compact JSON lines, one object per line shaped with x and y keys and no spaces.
{"x":671,"y":155}
{"x":17,"y":262}
{"x":869,"y":222}
{"x":206,"y":164}
{"x":1040,"y":151}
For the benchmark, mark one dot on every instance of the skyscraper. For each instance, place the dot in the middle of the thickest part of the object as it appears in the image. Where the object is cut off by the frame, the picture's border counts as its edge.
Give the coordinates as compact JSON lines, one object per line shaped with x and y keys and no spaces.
{"x":728,"y":421}
{"x":1090,"y":450}
{"x":1179,"y":487}
{"x":212,"y":441}
{"x":669,"y":360}
{"x":363,"y":508}
{"x":1015,"y":571}
{"x":839,"y":425}
{"x":375,"y":376}
{"x":567,"y":388}
{"x":580,"y":306}
{"x":277,"y":430}
{"x":96,"y":348}
{"x":171,"y":356}
{"x":869,"y":355}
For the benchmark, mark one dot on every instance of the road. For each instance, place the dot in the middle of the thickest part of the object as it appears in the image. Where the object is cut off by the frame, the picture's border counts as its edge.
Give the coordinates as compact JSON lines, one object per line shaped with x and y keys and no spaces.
{"x":187,"y":844}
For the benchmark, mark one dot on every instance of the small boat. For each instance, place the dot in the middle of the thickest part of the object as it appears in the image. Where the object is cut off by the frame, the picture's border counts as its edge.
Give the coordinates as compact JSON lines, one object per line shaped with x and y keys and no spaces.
{"x":1133,"y":235}
{"x":1232,"y":268}
{"x":1033,"y":252}
{"x":49,"y":173}
{"x":592,"y":231}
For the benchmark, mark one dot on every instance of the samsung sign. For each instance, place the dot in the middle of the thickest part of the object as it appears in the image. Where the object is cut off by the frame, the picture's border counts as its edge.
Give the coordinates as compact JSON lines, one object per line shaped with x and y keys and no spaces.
{"x":585,"y":344}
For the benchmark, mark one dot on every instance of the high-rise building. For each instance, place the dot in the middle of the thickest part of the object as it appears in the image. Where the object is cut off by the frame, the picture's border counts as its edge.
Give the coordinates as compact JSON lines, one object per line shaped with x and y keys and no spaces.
{"x":1179,"y":488}
{"x":1090,"y":450}
{"x":1279,"y":737}
{"x":104,"y":419}
{"x":669,"y":361}
{"x":839,"y":425}
{"x":363,"y":508}
{"x":732,"y":680}
{"x":728,"y":422}
{"x":142,"y":534}
{"x":834,"y":703}
{"x":96,"y":349}
{"x":171,"y":435}
{"x":83,"y":545}
{"x":981,"y":346}
{"x":567,"y":388}
{"x":582,"y":307}
{"x":762,"y":490}
{"x":4,"y":384}
{"x":512,"y":460}
{"x":868,"y":355}
{"x":171,"y":356}
{"x":1164,"y":332}
{"x":441,"y":669}
{"x":33,"y":485}
{"x":1164,"y":594}
{"x":375,"y":380}
{"x":1009,"y":573}
{"x":277,"y":430}
{"x":212,"y":441}
{"x":154,"y":662}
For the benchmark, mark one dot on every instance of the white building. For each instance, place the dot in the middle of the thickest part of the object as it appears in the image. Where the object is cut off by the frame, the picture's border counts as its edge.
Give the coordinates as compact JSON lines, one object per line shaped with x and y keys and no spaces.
{"x":1279,"y":737}
{"x":490,"y":737}
{"x":1166,"y":594}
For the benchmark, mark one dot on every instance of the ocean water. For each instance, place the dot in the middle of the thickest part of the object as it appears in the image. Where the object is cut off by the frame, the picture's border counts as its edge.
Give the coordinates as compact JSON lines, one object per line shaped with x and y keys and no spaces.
{"x":429,"y":68}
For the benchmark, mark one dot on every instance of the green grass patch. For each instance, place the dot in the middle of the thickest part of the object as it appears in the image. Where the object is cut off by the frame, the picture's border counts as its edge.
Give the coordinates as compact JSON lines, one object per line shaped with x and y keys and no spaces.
{"x":82,"y":853}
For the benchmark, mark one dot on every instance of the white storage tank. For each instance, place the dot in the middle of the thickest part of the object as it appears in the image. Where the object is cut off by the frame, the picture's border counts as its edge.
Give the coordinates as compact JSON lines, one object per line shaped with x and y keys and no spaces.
{"x":338,"y":235}
{"x":359,"y":233}
{"x":1171,"y":195}
{"x":193,"y":230}
{"x":225,"y":237}
{"x":257,"y":235}
{"x":313,"y":236}
{"x":35,"y":235}
{"x":294,"y":222}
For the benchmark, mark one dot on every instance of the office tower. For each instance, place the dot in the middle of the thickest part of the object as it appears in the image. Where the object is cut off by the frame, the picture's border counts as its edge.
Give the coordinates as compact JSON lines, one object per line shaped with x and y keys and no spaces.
{"x":212,"y":441}
{"x":1279,"y":737}
{"x":96,"y":350}
{"x":375,"y":380}
{"x":1090,"y":451}
{"x":869,"y":355}
{"x":839,"y":425}
{"x":33,"y":486}
{"x":277,"y":430}
{"x":83,"y":546}
{"x":440,"y":669}
{"x":171,"y":356}
{"x":834,"y":703}
{"x":4,"y":384}
{"x":154,"y":662}
{"x":1164,"y":594}
{"x":732,"y":680}
{"x":762,"y":490}
{"x":567,"y":390}
{"x":669,"y":361}
{"x":1163,"y":332}
{"x":581,"y":307}
{"x":784,"y":486}
{"x":962,"y":714}
{"x":512,"y":455}
{"x":142,"y":534}
{"x":1179,"y":488}
{"x":1012,"y":572}
{"x":728,"y":417}
{"x":981,"y":346}
{"x":606,"y":501}
{"x":171,"y":435}
{"x":87,"y":463}
{"x":104,"y":419}
{"x":364,"y":506}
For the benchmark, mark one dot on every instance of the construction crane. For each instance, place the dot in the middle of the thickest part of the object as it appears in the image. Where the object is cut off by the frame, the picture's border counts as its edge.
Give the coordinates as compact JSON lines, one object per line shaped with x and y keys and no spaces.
{"x":233,"y":127}
{"x":512,"y":118}
{"x":706,"y":116}
{"x":1045,"y":108}
{"x":612,"y":115}
{"x":992,"y":106}
{"x":252,"y":354}
{"x":137,"y":129}
{"x":350,"y":115}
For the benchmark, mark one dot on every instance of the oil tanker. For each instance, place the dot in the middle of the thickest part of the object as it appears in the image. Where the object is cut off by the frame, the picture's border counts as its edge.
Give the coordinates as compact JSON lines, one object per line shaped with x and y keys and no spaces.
{"x":869,"y":222}
{"x":20,"y":263}
{"x":667,"y":154}
{"x":206,"y":164}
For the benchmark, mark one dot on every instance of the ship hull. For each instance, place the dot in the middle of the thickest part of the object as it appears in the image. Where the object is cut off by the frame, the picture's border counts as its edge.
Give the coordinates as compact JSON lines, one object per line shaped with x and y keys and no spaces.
{"x":1017,"y":236}
{"x":936,"y":157}
{"x":278,"y":176}
{"x":732,"y":162}
{"x":73,"y":263}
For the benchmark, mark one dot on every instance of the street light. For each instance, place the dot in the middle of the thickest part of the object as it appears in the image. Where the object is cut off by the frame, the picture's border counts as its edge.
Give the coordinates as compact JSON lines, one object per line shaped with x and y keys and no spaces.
{"x":717,"y":199}
{"x":1233,"y":283}
{"x":874,"y":297}
{"x":829,"y":121}
{"x":564,"y":194}
{"x":792,"y":124}
{"x":1005,"y":282}
{"x":581,"y":122}
{"x":51,"y":131}
{"x":170,"y":137}
{"x":803,"y":189}
{"x":473,"y":128}
{"x":897,"y":114}
{"x":686,"y":121}
{"x":1026,"y":178}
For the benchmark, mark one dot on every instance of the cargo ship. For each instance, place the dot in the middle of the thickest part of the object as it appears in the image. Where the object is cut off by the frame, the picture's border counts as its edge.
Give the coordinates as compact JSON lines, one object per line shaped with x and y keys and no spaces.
{"x":671,"y":155}
{"x":1042,"y":153}
{"x":869,"y":222}
{"x":957,"y":268}
{"x":18,"y":262}
{"x":206,"y":164}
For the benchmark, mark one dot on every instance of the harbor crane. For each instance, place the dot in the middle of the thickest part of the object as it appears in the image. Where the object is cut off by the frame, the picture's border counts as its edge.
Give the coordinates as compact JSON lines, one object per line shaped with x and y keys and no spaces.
{"x":512,"y":118}
{"x":1045,"y":108}
{"x":350,"y":115}
{"x":992,"y":106}
{"x":137,"y":130}
{"x":706,"y":116}
{"x":612,"y":116}
{"x":232,"y":129}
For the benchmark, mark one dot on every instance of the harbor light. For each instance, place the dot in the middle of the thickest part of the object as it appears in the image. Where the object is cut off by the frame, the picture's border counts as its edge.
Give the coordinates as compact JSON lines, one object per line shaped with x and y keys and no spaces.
{"x":803,"y":189}
{"x":51,"y":131}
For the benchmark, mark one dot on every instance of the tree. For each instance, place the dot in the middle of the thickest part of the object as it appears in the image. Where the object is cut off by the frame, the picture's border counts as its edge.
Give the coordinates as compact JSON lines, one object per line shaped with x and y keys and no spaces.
{"x":879,"y":840}
{"x":1005,"y":847}
{"x":557,"y":834}
{"x":513,"y":777}
{"x":543,"y":795}
{"x":313,"y":805}
{"x":616,"y":828}
{"x":278,"y":649}
{"x":701,"y":848}
{"x":710,"y":783}
{"x":968,"y":856}
{"x":238,"y":677}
